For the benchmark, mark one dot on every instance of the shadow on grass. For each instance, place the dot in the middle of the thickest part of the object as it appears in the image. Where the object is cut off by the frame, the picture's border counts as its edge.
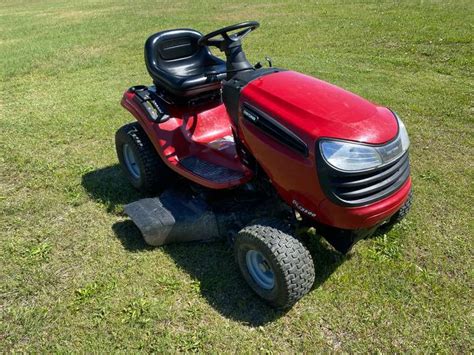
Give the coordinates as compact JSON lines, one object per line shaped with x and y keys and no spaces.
{"x":383,"y":229}
{"x":212,"y":264}
{"x":110,"y":187}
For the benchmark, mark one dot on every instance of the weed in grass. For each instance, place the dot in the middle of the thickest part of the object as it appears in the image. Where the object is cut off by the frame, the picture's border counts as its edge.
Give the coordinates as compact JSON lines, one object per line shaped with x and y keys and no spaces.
{"x":385,"y":247}
{"x":136,"y":312}
{"x":93,"y":292}
{"x":40,"y":251}
{"x":189,"y":343}
{"x":430,"y":176}
{"x":167,"y":283}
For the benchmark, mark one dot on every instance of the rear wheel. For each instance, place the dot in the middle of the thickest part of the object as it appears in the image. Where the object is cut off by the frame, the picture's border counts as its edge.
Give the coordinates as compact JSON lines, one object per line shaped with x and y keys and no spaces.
{"x":275,"y":264}
{"x":139,"y":160}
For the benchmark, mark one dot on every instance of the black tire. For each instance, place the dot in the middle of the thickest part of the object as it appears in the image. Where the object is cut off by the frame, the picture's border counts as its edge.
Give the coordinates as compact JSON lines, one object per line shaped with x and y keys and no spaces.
{"x":153,"y":174}
{"x":403,"y":211}
{"x":288,"y":259}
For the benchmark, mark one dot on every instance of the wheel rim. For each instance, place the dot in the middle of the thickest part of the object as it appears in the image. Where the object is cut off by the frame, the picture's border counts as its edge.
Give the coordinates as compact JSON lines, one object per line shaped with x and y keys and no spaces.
{"x":131,"y":161}
{"x":260,"y":269}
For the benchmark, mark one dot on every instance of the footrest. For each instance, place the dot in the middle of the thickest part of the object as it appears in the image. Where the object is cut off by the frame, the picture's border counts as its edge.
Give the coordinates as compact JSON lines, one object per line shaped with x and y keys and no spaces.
{"x":210,"y":171}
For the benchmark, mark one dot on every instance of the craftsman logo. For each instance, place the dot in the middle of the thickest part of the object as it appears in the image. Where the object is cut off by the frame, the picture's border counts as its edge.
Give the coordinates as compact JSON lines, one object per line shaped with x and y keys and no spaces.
{"x":302,"y":209}
{"x":251,"y":116}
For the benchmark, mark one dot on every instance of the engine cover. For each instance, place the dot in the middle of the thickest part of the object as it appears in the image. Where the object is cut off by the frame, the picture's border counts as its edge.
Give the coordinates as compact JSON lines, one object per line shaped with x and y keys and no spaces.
{"x":282,"y":115}
{"x":313,"y":108}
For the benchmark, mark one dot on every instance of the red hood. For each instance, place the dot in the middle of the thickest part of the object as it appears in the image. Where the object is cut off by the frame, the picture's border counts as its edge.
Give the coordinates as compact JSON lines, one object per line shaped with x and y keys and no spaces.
{"x":314,"y":108}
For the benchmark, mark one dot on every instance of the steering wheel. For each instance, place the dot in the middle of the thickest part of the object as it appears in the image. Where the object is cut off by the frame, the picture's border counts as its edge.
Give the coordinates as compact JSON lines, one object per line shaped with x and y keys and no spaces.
{"x":244,"y":27}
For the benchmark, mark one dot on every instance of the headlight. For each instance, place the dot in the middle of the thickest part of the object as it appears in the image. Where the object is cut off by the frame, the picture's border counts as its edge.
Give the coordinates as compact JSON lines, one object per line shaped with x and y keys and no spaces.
{"x":351,"y":156}
{"x":403,"y":134}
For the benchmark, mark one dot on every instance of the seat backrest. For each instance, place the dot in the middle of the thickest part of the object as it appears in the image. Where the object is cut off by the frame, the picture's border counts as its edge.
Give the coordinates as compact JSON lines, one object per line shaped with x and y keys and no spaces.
{"x":175,"y":51}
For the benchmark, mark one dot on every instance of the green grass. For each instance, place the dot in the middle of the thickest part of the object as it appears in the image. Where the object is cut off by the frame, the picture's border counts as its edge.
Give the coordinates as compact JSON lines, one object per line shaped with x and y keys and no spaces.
{"x":76,"y":275}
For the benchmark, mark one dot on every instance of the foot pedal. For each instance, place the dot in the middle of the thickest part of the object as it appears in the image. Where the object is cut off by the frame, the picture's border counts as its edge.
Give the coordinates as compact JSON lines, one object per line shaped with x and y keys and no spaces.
{"x":210,"y":171}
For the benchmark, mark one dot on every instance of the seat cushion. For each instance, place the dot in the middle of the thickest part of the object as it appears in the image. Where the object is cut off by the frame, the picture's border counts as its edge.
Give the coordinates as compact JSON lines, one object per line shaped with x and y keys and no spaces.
{"x":178,"y":64}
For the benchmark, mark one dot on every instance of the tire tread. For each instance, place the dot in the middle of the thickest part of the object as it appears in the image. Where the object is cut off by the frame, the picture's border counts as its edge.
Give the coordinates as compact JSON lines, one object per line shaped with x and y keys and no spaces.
{"x":294,"y":260}
{"x":156,"y":175}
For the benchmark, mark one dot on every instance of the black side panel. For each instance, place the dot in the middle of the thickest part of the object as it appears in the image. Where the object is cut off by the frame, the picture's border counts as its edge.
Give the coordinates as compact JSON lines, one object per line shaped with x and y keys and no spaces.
{"x":231,"y":88}
{"x":230,"y":97}
{"x":274,"y":129}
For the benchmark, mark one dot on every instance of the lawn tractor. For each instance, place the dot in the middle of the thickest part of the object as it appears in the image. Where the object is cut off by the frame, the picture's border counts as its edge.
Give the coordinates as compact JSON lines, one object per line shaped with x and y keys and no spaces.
{"x":252,"y":153}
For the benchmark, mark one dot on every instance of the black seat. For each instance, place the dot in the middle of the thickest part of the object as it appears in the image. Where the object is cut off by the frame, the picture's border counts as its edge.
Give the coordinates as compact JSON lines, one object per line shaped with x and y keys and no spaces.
{"x":177,"y":63}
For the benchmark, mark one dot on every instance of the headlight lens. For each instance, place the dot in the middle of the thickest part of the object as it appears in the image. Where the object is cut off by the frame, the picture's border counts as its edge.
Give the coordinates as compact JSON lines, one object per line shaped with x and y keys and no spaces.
{"x":350,"y":156}
{"x":403,"y":134}
{"x":353,"y":156}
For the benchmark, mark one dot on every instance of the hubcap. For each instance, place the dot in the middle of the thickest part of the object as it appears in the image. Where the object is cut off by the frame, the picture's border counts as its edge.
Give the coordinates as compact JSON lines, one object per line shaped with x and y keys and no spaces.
{"x":260,"y":269}
{"x":131,"y":161}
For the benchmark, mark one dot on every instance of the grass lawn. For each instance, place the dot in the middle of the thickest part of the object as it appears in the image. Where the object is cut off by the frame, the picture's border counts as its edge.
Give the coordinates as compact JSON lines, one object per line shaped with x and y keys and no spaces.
{"x":76,"y":275}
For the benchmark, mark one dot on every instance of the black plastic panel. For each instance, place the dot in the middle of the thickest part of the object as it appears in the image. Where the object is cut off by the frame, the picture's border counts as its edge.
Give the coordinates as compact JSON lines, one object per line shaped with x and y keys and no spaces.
{"x":274,"y":129}
{"x":231,"y":88}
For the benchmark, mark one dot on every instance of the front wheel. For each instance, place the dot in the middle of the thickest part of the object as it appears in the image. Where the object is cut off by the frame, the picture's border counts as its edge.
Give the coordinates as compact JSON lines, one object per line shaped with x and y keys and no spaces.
{"x":275,"y":264}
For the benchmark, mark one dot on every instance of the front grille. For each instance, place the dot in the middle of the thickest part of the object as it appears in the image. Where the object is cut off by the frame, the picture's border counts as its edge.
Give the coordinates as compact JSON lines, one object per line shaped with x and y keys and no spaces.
{"x":362,"y":188}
